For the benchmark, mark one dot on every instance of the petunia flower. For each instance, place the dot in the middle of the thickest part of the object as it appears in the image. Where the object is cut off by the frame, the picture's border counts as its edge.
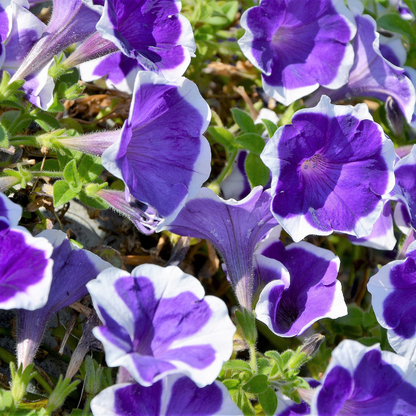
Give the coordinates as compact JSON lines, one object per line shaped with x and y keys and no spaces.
{"x":172,"y":396}
{"x":72,"y":269}
{"x":152,"y":32}
{"x":332,"y":170}
{"x":157,"y":322}
{"x":298,"y":47}
{"x":393,"y":291}
{"x":234,"y":228}
{"x":160,"y":152}
{"x":372,"y":75}
{"x":120,"y":71}
{"x":366,"y":381}
{"x":301,"y":286}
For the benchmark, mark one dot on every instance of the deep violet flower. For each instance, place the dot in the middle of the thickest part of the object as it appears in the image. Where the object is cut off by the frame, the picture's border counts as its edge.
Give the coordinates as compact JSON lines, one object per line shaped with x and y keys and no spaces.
{"x":372,"y":75}
{"x":234,"y":228}
{"x":151,"y":32}
{"x":393,"y":291}
{"x":25,"y":263}
{"x":366,"y":381}
{"x":299,"y":45}
{"x":174,"y":395}
{"x":332,"y":171}
{"x":301,"y":285}
{"x":72,"y":269}
{"x":157,"y":322}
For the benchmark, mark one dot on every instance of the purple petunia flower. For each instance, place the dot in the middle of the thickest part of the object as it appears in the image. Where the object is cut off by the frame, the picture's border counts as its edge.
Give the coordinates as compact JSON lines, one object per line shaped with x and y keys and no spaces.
{"x":151,"y":32}
{"x":332,"y":170}
{"x":173,"y":396}
{"x":157,"y":322}
{"x":372,"y":75}
{"x":393,"y":291}
{"x":161,"y":154}
{"x":72,"y":269}
{"x":366,"y":381}
{"x":301,"y":286}
{"x":234,"y":228}
{"x":298,"y":47}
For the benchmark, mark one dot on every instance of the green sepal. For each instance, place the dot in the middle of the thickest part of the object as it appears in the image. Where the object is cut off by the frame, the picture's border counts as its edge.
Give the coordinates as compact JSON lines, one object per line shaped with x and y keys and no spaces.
{"x":247,"y":323}
{"x":92,"y":200}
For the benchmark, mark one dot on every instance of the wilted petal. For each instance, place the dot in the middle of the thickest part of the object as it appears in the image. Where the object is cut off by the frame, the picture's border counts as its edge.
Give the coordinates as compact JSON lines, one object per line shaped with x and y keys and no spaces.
{"x":313,"y":293}
{"x":161,"y":155}
{"x":173,"y":396}
{"x":234,"y":228}
{"x":366,"y":381}
{"x":299,"y":48}
{"x":72,"y":269}
{"x":157,"y":322}
{"x":331,"y":170}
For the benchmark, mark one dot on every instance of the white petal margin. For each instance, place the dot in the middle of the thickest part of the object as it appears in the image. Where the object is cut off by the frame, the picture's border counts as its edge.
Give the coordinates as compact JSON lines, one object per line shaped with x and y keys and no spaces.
{"x":348,"y":355}
{"x":202,"y":167}
{"x":35,"y":296}
{"x":104,"y":403}
{"x":12,"y":212}
{"x":380,"y":287}
{"x":298,"y":227}
{"x":168,"y":282}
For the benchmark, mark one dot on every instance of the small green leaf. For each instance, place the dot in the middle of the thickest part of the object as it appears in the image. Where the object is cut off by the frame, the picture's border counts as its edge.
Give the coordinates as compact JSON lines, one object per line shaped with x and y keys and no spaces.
{"x":71,"y":173}
{"x":231,"y":383}
{"x":268,"y":401}
{"x":263,"y":365}
{"x":8,"y":118}
{"x":89,"y":168}
{"x":394,"y":23}
{"x":4,"y":141}
{"x":246,"y":406}
{"x":56,"y":106}
{"x":236,"y":365}
{"x":256,"y":385}
{"x":354,"y":317}
{"x":93,"y":201}
{"x":62,"y":193}
{"x":223,"y":136}
{"x":217,"y":20}
{"x":286,"y":356}
{"x":230,"y":9}
{"x":252,"y":142}
{"x":47,"y":122}
{"x":270,"y":126}
{"x":257,"y":172}
{"x":50,"y":165}
{"x":244,"y":120}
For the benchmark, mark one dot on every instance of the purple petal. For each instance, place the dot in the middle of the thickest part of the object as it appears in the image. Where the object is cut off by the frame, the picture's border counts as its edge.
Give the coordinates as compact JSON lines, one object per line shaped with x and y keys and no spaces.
{"x":366,"y":381}
{"x":161,"y":154}
{"x":234,"y":228}
{"x":157,"y":322}
{"x":25,"y":270}
{"x":312,"y":294}
{"x":330,"y":171}
{"x":173,"y":396}
{"x":299,"y":48}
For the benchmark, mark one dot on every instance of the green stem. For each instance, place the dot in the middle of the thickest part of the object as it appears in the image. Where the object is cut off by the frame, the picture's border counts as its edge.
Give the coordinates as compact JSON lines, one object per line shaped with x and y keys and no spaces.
{"x":227,"y":168}
{"x":86,"y":410}
{"x":253,"y":359}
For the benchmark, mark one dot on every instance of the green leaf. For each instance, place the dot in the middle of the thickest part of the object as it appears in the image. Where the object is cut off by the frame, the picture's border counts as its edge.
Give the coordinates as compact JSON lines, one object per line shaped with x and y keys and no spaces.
{"x":252,"y":142}
{"x":263,"y":365}
{"x":71,"y":173}
{"x":411,"y":4}
{"x":236,"y":365}
{"x":368,"y":342}
{"x":93,"y":201}
{"x":257,"y":172}
{"x":50,"y":165}
{"x":268,"y":401}
{"x":246,"y":406}
{"x":394,"y":23}
{"x":217,"y":20}
{"x":223,"y":136}
{"x":256,"y":385}
{"x":89,"y":168}
{"x":47,"y":122}
{"x":231,"y":384}
{"x":230,"y":9}
{"x":369,"y":318}
{"x":6,"y":399}
{"x":270,"y":126}
{"x":62,"y":193}
{"x":354,"y":317}
{"x":244,"y":120}
{"x":8,"y":118}
{"x":286,"y":356}
{"x":4,"y":141}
